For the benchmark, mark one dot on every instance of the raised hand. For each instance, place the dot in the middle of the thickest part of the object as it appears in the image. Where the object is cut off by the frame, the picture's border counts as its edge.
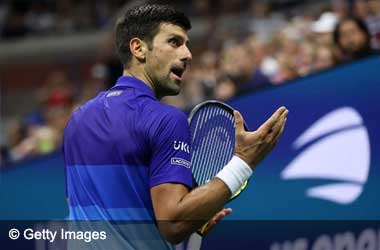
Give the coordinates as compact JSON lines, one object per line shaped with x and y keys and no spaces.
{"x":252,"y":147}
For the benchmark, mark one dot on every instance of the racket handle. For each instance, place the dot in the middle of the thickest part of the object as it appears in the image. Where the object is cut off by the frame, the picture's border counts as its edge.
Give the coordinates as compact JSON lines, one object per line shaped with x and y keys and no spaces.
{"x":195,"y":242}
{"x":201,"y":231}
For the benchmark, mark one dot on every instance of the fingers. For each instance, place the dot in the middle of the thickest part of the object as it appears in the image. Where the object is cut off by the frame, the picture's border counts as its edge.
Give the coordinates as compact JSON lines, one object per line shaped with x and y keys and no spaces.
{"x":280,"y":124}
{"x":228,"y":211}
{"x":222,"y":214}
{"x":239,"y":122}
{"x":219,"y":216}
{"x":252,"y":147}
{"x":278,"y":132}
{"x":269,"y":130}
{"x":267,"y":126}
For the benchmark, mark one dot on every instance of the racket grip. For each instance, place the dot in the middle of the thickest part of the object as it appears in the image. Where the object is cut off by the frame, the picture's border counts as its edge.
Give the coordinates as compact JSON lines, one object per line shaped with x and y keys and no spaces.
{"x":195,"y":242}
{"x":201,"y":231}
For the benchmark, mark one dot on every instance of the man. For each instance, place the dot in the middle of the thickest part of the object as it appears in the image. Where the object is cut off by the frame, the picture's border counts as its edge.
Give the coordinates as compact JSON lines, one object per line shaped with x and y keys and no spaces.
{"x":118,"y":146}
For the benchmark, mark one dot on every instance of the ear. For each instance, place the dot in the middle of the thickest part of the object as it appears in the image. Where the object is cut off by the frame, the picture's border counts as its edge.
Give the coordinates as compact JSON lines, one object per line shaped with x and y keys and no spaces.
{"x":138,"y":48}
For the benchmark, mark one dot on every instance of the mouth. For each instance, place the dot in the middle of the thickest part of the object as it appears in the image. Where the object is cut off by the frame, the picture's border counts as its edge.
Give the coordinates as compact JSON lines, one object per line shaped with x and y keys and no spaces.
{"x":178,"y":71}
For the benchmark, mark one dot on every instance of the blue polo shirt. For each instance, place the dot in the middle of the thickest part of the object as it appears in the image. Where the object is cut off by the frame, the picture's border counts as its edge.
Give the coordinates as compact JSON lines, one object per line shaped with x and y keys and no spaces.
{"x":117,"y":147}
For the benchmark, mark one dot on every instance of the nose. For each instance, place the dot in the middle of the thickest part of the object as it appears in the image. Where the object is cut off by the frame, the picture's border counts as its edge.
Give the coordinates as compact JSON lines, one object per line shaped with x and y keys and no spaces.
{"x":187,"y":56}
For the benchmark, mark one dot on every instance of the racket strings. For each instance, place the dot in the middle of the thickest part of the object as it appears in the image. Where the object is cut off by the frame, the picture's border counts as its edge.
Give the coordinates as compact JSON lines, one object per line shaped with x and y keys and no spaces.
{"x":213,"y":142}
{"x":218,"y":150}
{"x":198,"y":144}
{"x":224,"y":155}
{"x":209,"y":149}
{"x":204,"y":148}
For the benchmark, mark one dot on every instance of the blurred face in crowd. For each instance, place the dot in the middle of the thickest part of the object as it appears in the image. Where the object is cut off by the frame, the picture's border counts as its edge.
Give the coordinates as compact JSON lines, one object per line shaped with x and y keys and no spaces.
{"x":324,"y":58}
{"x":361,"y":9}
{"x":305,"y":60}
{"x":341,"y":7}
{"x":167,"y":59}
{"x":225,"y":90}
{"x":236,"y":62}
{"x":374,"y":7}
{"x":288,"y":69}
{"x":323,"y":39}
{"x":352,"y":39}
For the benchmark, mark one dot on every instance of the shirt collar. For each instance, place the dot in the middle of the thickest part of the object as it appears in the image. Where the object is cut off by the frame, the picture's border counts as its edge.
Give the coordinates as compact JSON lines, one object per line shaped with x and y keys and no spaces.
{"x":129,"y":81}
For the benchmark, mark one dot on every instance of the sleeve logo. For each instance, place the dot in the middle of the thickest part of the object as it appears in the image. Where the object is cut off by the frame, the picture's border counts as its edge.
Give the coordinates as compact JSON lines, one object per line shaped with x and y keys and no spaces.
{"x":114,"y":93}
{"x":180,"y":162}
{"x":180,"y":145}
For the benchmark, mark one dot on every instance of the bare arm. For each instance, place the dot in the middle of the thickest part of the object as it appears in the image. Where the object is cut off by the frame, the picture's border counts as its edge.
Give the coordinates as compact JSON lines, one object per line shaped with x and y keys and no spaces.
{"x":180,"y":212}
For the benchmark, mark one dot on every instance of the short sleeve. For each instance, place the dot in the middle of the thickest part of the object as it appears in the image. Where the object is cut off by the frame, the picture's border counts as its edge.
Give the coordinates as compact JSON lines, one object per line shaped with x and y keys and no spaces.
{"x":171,"y":152}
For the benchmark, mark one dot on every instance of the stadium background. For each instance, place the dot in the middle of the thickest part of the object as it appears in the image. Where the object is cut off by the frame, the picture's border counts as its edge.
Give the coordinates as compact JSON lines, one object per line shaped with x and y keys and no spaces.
{"x":256,"y":55}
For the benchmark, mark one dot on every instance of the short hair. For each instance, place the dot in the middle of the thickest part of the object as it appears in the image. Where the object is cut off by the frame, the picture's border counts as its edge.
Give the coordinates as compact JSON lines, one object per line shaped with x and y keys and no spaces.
{"x":143,"y":22}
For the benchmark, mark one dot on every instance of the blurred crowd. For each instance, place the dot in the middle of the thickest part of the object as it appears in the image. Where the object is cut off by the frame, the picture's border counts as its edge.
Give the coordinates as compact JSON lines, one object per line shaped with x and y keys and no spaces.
{"x":40,"y":132}
{"x":264,"y":47}
{"x":246,"y":46}
{"x":22,"y":18}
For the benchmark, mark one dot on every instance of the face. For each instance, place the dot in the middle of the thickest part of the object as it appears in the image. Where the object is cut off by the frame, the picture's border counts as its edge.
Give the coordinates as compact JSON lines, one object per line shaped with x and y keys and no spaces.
{"x":167,"y":58}
{"x":324,"y":59}
{"x":352,"y":38}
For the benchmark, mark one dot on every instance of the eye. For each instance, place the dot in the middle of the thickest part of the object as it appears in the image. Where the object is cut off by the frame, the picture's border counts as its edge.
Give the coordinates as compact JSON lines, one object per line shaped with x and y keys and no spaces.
{"x":174,"y":42}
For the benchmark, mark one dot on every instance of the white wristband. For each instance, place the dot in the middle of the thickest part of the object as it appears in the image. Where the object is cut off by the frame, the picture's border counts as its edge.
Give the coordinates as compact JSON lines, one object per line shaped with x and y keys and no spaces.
{"x":234,"y":174}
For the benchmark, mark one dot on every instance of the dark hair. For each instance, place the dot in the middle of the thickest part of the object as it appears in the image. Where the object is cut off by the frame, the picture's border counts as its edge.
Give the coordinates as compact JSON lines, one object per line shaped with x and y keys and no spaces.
{"x":143,"y":22}
{"x":360,"y":23}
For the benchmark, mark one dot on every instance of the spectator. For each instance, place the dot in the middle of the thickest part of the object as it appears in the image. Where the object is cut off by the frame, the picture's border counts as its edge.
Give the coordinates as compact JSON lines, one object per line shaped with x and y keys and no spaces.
{"x":305,"y":58}
{"x":341,"y":7}
{"x":40,"y":139}
{"x":265,"y":63}
{"x":15,"y":133}
{"x":369,"y":12}
{"x":40,"y":19}
{"x":352,"y":37}
{"x":14,"y":23}
{"x":324,"y":58}
{"x":245,"y":45}
{"x":225,"y":89}
{"x":240,"y":65}
{"x":264,"y":22}
{"x":287,"y":70}
{"x":323,"y":28}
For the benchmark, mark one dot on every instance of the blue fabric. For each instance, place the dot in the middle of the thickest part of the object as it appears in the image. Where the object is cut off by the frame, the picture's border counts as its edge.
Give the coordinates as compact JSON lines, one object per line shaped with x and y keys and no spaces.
{"x":99,"y":213}
{"x":119,"y":145}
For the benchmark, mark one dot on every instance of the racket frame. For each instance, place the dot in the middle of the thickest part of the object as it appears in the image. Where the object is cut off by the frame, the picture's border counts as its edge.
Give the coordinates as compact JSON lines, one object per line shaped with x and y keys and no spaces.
{"x":191,"y":116}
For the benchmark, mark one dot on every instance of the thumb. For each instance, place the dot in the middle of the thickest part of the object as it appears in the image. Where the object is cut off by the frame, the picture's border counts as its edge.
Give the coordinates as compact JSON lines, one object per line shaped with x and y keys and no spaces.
{"x":239,"y":122}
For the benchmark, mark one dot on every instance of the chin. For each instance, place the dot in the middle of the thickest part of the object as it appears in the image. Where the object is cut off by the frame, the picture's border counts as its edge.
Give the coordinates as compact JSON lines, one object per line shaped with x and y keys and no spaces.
{"x":173,"y":92}
{"x":174,"y":87}
{"x":170,"y":90}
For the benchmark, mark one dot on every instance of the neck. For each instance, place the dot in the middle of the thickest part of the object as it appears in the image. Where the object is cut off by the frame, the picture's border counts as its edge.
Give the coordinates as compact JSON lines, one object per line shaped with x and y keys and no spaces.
{"x":141,"y":75}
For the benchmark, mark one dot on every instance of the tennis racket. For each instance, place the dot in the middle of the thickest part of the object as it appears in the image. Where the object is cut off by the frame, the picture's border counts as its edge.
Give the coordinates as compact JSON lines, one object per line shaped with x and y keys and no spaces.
{"x":212,"y":127}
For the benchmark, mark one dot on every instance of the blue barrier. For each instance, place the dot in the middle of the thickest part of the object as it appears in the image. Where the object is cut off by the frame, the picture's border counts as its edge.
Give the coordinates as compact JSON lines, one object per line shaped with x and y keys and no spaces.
{"x":326,"y":165}
{"x":34,"y":190}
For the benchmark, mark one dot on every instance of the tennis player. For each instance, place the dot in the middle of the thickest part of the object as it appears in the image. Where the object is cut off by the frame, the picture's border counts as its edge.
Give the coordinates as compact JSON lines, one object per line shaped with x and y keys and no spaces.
{"x":120,"y":147}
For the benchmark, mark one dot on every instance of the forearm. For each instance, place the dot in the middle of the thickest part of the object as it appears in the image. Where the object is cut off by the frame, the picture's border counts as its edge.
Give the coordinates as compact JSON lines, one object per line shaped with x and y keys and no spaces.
{"x":192,"y":209}
{"x":203,"y":202}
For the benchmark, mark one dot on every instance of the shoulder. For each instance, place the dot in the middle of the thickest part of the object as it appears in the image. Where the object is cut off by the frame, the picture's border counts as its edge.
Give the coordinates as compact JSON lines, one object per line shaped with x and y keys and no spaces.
{"x":163,"y":113}
{"x":162,"y":119}
{"x":172,"y":113}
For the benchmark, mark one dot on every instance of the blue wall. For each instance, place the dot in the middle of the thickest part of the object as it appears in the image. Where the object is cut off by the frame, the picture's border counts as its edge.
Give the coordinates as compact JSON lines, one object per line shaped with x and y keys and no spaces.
{"x":354,"y":87}
{"x":34,"y":190}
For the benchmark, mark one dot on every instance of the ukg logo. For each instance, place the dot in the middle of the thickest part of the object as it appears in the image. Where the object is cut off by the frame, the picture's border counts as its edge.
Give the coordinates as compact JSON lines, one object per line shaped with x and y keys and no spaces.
{"x":336,"y":148}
